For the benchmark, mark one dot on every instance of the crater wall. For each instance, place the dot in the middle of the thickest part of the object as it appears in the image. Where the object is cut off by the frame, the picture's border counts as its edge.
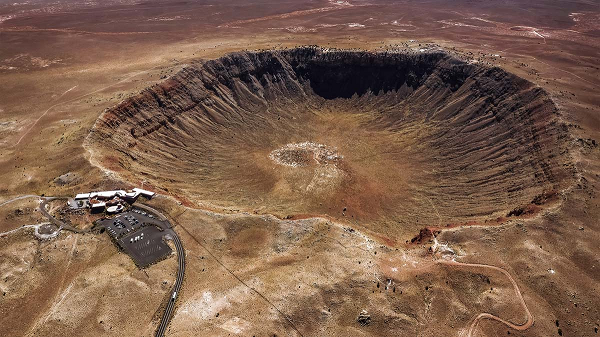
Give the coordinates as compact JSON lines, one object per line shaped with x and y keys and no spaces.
{"x":424,"y":138}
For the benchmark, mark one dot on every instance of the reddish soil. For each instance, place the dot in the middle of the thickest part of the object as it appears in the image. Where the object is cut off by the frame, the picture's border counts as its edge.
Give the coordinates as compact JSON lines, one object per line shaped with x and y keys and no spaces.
{"x":63,"y":63}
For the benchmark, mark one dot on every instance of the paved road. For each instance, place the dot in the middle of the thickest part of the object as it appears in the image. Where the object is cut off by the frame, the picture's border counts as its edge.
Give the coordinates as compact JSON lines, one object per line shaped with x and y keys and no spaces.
{"x":152,"y":210}
{"x":61,"y":225}
{"x":166,"y":318}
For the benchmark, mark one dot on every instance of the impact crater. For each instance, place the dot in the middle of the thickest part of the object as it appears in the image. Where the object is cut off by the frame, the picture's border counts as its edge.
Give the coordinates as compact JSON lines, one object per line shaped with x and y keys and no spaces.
{"x":390,"y":140}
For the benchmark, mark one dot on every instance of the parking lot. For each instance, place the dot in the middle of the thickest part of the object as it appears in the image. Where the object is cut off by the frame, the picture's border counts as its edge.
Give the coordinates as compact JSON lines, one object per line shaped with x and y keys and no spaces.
{"x":145,"y":246}
{"x":140,"y":235}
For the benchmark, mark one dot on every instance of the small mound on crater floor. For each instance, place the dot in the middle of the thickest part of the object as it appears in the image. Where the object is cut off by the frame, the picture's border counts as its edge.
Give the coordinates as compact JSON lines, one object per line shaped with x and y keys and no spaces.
{"x":304,"y":154}
{"x":395,"y":140}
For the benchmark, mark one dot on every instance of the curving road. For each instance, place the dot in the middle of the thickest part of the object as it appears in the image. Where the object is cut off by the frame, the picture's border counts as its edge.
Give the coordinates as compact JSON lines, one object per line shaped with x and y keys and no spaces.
{"x":19,"y":198}
{"x":3,"y":234}
{"x":485,"y":315}
{"x":61,"y":225}
{"x":166,"y":318}
{"x":152,"y":210}
{"x":170,"y":307}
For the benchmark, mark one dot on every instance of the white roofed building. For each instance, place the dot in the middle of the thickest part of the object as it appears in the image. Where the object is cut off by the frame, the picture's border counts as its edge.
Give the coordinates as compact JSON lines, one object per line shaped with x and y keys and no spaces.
{"x":145,"y":193}
{"x":99,"y":200}
{"x":98,"y":207}
{"x":82,"y":196}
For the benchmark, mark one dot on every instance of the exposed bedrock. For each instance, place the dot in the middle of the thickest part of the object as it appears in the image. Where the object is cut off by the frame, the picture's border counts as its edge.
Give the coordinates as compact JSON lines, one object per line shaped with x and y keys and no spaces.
{"x":393,"y":141}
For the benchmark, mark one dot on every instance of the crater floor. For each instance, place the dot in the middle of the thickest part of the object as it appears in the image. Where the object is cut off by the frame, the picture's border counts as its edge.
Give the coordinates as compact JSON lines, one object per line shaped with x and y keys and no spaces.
{"x":390,"y":141}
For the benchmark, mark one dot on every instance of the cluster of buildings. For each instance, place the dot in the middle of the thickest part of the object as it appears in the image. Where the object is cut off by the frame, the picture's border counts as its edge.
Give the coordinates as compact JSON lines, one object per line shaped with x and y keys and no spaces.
{"x":111,"y":201}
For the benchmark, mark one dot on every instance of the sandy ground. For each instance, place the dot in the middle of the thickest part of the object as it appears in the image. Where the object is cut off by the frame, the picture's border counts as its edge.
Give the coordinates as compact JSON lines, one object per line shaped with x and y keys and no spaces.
{"x":248,"y":274}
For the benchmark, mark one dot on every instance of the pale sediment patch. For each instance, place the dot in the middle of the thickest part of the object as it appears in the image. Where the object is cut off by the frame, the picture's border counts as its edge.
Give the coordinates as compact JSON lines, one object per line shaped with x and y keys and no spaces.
{"x":208,"y":304}
{"x":321,"y":158}
{"x":297,"y":154}
{"x":236,"y":325}
{"x":355,"y":25}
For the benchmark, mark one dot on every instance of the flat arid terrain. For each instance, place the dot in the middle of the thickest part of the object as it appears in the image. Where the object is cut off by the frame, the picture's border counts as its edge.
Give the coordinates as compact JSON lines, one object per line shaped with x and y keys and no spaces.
{"x":320,"y":168}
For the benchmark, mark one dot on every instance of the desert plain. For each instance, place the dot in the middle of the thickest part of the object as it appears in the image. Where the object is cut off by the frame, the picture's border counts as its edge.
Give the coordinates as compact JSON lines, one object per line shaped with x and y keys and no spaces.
{"x":332,"y":168}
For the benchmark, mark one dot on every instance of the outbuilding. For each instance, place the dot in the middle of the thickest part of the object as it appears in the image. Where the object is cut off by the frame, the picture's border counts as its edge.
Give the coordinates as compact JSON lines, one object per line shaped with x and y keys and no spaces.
{"x":98,"y":207}
{"x":115,"y":209}
{"x":145,"y":193}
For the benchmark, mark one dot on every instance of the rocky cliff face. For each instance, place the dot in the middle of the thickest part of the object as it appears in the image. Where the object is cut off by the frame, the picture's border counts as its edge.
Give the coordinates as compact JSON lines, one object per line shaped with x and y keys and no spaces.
{"x":422,"y":136}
